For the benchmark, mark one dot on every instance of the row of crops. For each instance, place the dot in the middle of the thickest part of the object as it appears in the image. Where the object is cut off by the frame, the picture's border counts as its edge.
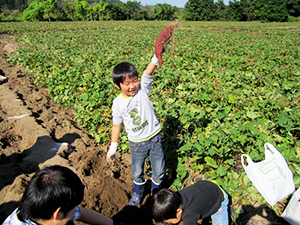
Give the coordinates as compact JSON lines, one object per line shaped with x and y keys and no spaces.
{"x":224,"y":89}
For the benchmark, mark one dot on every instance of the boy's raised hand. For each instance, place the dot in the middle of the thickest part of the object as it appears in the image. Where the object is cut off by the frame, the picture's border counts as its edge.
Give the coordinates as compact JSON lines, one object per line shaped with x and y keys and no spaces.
{"x":155,"y":60}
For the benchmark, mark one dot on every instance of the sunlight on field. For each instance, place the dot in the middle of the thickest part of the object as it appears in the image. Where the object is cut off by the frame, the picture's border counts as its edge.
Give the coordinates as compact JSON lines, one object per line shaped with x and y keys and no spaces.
{"x":225,"y":88}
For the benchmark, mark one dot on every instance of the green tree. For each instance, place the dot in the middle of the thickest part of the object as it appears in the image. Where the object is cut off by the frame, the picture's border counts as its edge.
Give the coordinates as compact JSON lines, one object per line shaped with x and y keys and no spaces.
{"x":131,"y":10}
{"x":13,"y":4}
{"x":34,"y":12}
{"x":200,"y":10}
{"x":164,"y":12}
{"x":98,"y":10}
{"x":235,"y":11}
{"x":293,"y":7}
{"x":68,"y":11}
{"x":220,"y":10}
{"x":83,"y":10}
{"x":149,"y":12}
{"x":48,"y":8}
{"x":271,"y":10}
{"x":248,"y":7}
{"x":143,"y":15}
{"x":60,"y":12}
{"x":113,"y":11}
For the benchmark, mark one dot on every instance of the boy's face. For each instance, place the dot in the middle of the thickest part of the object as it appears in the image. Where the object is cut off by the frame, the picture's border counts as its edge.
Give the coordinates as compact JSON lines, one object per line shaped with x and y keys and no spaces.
{"x":177,"y":219}
{"x":129,"y":87}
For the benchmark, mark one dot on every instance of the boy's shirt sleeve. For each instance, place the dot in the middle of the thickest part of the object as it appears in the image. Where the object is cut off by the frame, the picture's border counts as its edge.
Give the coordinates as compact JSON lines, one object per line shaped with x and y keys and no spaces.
{"x":76,"y":214}
{"x":146,"y":83}
{"x":116,"y":114}
{"x":13,"y":219}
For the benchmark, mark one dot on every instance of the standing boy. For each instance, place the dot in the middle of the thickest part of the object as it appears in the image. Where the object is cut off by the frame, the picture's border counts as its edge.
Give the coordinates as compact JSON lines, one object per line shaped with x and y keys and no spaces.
{"x":135,"y":110}
{"x":52,"y":198}
{"x":198,"y":201}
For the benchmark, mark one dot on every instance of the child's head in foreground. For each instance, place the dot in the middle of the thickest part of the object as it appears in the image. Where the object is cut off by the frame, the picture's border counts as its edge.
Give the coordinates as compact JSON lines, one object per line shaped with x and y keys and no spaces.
{"x":50,"y":189}
{"x":166,"y":206}
{"x":125,"y":78}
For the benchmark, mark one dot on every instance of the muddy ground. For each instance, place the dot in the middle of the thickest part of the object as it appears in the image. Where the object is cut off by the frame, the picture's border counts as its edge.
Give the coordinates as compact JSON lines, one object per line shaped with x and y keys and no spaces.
{"x":35,"y":132}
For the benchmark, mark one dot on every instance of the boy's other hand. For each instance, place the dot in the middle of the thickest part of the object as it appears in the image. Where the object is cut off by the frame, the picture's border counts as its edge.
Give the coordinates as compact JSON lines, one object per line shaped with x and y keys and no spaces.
{"x":112,"y":151}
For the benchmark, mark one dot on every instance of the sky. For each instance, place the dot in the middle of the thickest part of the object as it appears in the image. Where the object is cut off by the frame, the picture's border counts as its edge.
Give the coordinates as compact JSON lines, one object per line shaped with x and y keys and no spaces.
{"x":178,"y":3}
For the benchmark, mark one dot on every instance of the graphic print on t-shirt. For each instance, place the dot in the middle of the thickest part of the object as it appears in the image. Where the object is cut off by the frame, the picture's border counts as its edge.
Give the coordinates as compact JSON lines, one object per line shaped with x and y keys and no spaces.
{"x":134,"y":114}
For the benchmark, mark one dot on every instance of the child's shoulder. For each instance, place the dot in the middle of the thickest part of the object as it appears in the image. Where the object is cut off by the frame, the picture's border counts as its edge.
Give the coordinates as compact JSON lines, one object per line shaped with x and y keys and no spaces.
{"x":118,"y":97}
{"x":204,"y":184}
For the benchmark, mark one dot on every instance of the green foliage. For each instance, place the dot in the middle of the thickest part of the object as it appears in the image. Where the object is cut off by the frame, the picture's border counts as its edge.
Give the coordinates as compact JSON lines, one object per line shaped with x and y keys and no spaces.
{"x":224,"y":88}
{"x":243,"y":10}
{"x":13,"y":4}
{"x":131,"y":9}
{"x":197,"y":10}
{"x":114,"y":12}
{"x":11,"y":16}
{"x":271,"y":10}
{"x":98,"y":10}
{"x":48,"y":8}
{"x":220,"y":13}
{"x":293,"y":7}
{"x":34,"y":12}
{"x":194,"y":10}
{"x":164,"y":12}
{"x":236,"y":11}
{"x":83,"y":10}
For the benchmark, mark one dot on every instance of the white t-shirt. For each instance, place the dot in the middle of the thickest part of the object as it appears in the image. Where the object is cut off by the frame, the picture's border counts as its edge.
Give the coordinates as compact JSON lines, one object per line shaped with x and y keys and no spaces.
{"x":137,"y":113}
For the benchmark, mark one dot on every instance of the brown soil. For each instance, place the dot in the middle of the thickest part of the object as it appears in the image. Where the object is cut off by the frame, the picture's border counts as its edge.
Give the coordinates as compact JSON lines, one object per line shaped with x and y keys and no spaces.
{"x":32,"y":131}
{"x":36,"y":132}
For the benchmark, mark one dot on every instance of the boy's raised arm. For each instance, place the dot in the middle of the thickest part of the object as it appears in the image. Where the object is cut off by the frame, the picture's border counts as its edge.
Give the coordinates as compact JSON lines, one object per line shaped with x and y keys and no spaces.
{"x":152,"y":65}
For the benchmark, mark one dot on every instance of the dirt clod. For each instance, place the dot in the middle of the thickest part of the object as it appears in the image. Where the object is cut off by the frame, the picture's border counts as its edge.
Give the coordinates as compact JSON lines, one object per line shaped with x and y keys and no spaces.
{"x":32,"y":136}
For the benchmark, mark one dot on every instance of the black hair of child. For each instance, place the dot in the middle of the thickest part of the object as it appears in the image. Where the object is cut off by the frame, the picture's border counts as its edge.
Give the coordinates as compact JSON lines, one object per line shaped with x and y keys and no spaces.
{"x":121,"y":71}
{"x":165,"y":204}
{"x":49,"y":189}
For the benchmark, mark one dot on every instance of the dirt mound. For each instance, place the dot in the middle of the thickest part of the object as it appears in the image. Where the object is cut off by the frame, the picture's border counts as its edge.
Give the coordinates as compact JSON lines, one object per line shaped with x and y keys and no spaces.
{"x":35,"y":132}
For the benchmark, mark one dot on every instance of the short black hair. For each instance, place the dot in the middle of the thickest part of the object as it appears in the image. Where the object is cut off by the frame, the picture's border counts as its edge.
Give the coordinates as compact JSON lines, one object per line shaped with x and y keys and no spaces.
{"x":122,"y":70}
{"x":165,"y":204}
{"x":50,"y":188}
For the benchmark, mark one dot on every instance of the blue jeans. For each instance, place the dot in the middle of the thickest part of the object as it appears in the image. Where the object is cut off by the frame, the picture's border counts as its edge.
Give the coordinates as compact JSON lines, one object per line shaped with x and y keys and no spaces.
{"x":221,"y":216}
{"x":139,"y":153}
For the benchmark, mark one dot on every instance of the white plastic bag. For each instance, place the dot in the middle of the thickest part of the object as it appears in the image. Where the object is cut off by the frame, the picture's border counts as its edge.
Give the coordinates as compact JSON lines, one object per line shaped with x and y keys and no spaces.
{"x":292,"y":212}
{"x":272,"y":176}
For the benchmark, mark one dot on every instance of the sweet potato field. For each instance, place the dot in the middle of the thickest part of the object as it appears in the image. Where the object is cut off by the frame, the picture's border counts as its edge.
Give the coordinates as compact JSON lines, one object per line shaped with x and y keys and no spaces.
{"x":224,"y":88}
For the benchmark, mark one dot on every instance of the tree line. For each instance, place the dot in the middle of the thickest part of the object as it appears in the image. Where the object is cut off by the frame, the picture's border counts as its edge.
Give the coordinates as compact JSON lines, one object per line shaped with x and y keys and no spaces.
{"x":194,"y":10}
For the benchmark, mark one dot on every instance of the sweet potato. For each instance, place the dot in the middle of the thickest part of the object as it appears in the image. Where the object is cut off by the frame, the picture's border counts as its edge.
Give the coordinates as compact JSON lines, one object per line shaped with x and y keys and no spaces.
{"x":162,"y":41}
